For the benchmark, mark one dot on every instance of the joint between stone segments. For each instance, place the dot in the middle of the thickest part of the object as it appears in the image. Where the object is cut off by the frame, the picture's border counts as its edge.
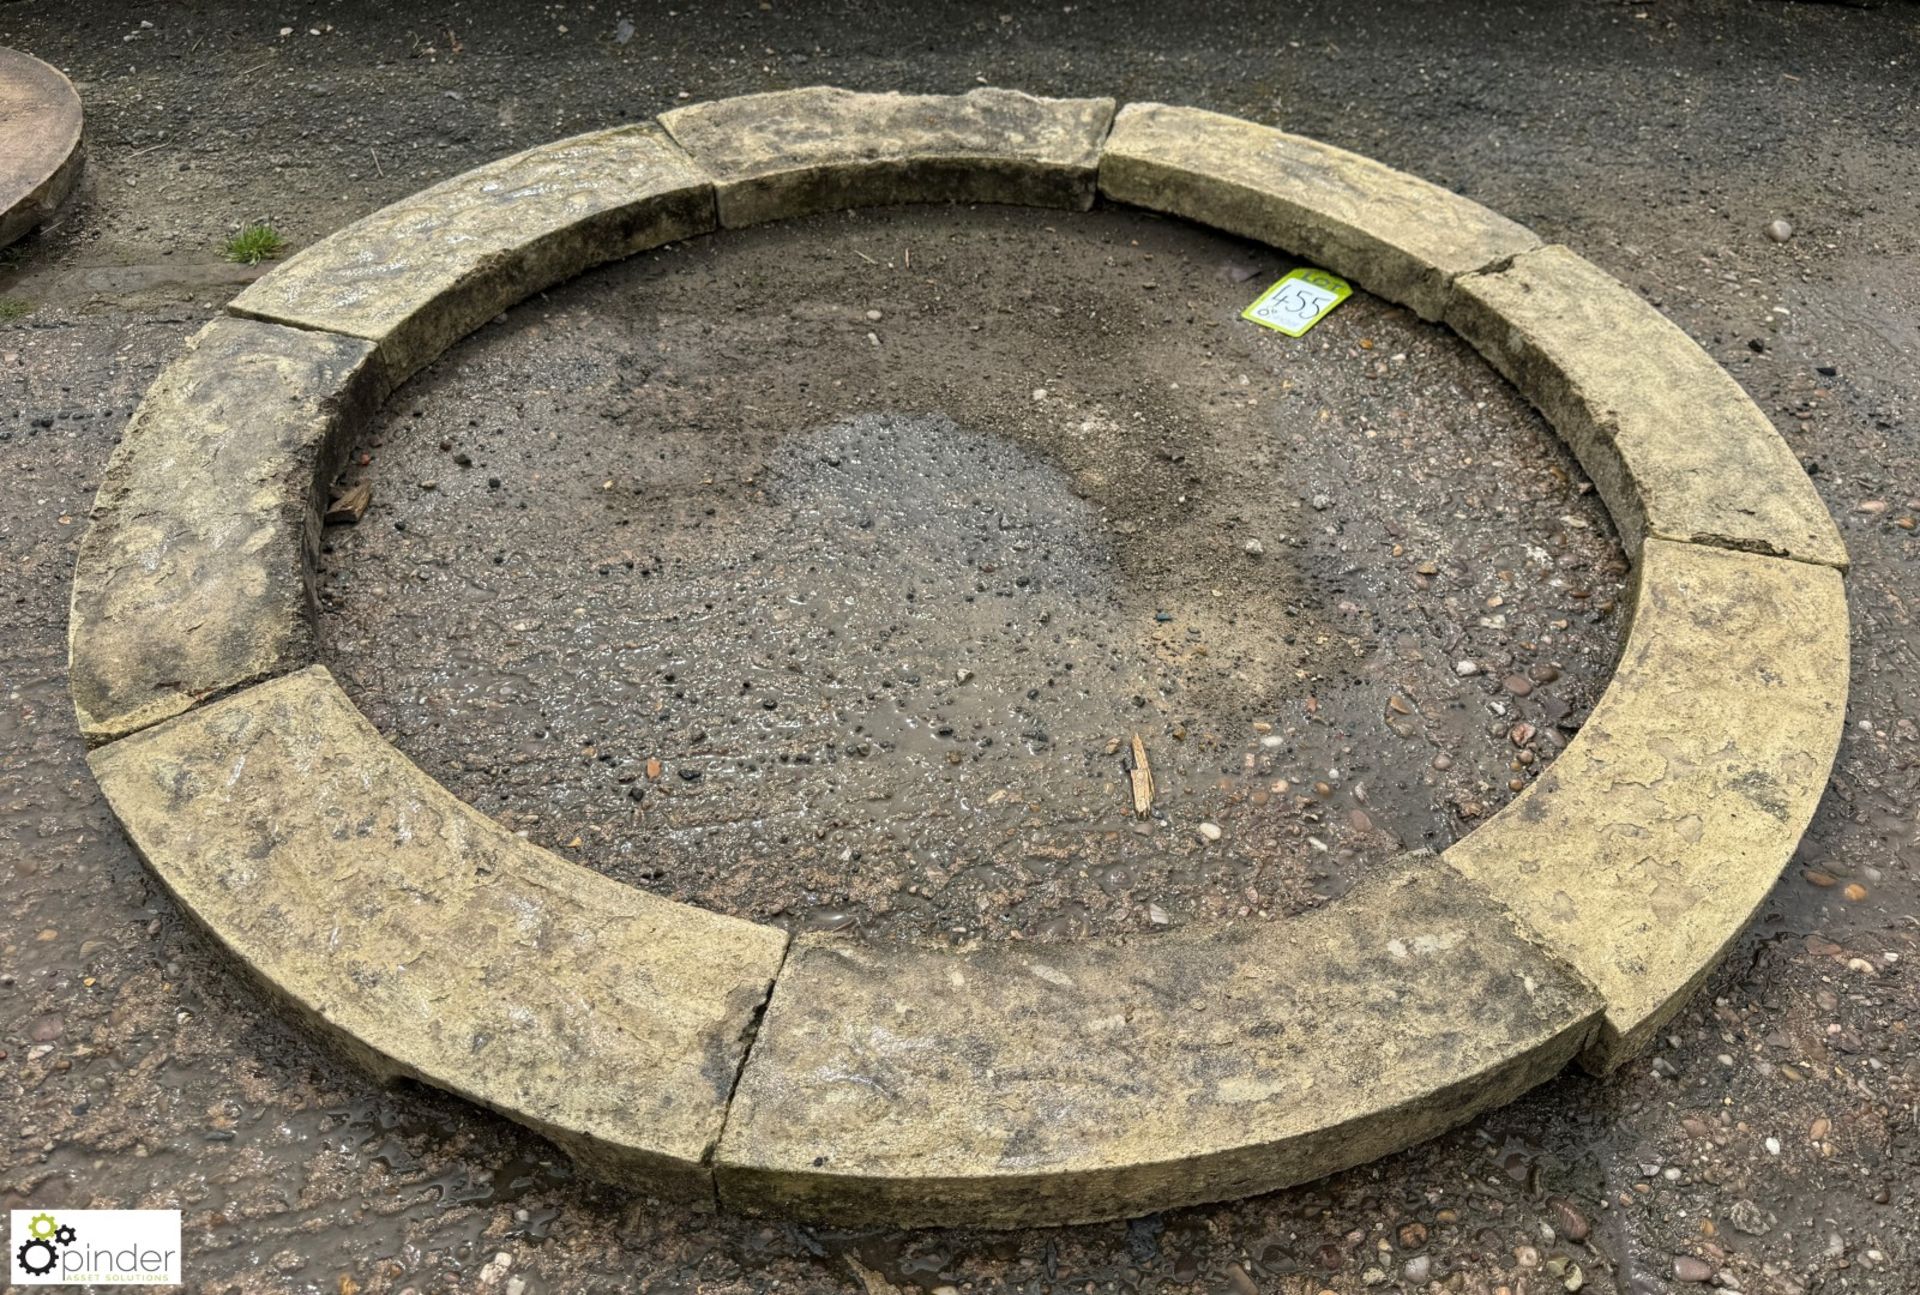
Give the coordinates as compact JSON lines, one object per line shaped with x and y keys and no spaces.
{"x":1100,"y":146}
{"x":1526,"y":932}
{"x":97,"y":741}
{"x":234,"y":311}
{"x":749,"y":1035}
{"x":713,"y":182}
{"x":385,"y":380}
{"x":1752,"y":548}
{"x":1594,"y":1032}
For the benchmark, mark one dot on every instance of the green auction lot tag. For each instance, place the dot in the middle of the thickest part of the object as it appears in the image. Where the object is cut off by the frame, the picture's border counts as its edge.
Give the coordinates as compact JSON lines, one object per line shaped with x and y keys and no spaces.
{"x":1298,"y":302}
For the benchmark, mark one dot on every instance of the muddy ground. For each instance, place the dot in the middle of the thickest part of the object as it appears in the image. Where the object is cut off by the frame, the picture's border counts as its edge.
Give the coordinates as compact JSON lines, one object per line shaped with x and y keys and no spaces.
{"x":823,"y":574}
{"x":1769,"y":1143}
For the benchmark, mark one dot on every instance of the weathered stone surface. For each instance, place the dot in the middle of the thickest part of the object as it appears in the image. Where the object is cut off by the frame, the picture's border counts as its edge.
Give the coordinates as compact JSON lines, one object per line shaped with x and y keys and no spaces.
{"x":435,"y":943}
{"x":1676,"y":448}
{"x":1393,"y":234}
{"x":40,"y":134}
{"x":418,"y":275}
{"x":194,"y":577}
{"x":793,"y":152}
{"x":1014,"y":1084}
{"x":1643,"y":850}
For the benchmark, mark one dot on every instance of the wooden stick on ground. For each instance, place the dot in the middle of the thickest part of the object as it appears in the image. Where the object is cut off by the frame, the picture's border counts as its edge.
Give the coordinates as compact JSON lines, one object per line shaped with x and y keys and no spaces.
{"x":1140,"y":774}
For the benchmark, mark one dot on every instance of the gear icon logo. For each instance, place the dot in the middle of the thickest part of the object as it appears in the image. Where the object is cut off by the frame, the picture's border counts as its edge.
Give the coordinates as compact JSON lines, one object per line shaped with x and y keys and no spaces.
{"x":38,"y":1254}
{"x":40,"y":1264}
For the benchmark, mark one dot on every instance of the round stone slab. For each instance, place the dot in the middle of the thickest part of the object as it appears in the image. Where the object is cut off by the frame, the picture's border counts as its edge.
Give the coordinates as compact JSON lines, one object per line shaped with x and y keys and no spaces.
{"x":40,"y":153}
{"x":995,"y":1085}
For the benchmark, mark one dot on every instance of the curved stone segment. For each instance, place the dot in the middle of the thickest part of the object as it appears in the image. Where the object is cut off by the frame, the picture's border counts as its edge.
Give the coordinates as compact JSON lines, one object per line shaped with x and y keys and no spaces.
{"x":794,"y":152}
{"x":1010,"y":1085}
{"x":40,"y":142}
{"x":435,"y":943}
{"x":419,"y":275}
{"x":1394,"y":234}
{"x":194,"y":575}
{"x":1644,"y":849}
{"x":1675,"y":446}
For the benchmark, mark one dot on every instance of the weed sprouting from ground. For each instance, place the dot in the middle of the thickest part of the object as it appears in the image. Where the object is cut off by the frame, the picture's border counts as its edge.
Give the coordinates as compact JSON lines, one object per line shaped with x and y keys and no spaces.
{"x":13,"y":308}
{"x":254,"y":244}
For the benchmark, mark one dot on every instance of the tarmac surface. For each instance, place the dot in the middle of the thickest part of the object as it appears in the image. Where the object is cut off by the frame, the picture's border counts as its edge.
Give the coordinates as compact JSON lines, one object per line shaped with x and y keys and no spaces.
{"x":1768,"y":1143}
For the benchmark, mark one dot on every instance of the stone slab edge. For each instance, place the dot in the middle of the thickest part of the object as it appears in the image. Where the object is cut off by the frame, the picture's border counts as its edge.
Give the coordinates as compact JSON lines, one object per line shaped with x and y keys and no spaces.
{"x":1677,"y":448}
{"x":488,"y":258}
{"x":790,"y":153}
{"x":663,"y":1153}
{"x":194,"y":576}
{"x":1645,"y":887}
{"x":752,"y":1178}
{"x":38,"y":205}
{"x":1396,"y":235}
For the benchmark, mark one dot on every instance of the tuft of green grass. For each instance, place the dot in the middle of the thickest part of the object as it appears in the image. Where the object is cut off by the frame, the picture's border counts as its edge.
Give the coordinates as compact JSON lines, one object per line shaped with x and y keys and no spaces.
{"x":254,"y":244}
{"x":13,"y":308}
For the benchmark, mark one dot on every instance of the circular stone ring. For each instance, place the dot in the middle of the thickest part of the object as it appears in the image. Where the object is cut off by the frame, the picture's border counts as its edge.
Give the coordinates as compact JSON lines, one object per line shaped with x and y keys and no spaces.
{"x":686,"y":1052}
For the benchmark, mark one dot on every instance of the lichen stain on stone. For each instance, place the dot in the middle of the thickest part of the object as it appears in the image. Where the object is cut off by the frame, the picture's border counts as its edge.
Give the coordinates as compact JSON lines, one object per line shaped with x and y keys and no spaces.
{"x":1764,"y":791}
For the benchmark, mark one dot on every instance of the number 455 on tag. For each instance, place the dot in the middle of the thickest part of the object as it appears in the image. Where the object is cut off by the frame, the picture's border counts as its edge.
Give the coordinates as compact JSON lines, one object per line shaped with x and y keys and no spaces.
{"x":1298,"y":302}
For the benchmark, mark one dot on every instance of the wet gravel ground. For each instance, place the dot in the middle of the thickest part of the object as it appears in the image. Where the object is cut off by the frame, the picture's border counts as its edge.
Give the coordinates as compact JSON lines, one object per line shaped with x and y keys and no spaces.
{"x":1768,"y":1143}
{"x":823,"y":574}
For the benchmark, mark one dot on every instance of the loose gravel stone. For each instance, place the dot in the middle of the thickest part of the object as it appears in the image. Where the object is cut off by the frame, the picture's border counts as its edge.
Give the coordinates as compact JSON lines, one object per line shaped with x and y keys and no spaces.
{"x":1686,"y":1268}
